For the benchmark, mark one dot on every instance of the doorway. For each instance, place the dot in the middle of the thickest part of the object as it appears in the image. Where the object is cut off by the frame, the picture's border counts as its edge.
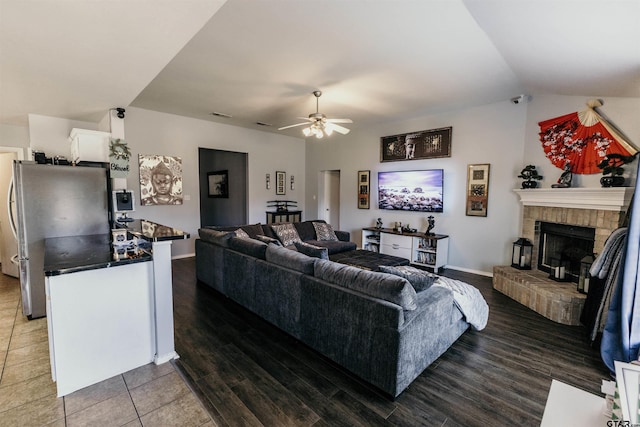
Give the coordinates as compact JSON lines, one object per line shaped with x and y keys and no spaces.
{"x":329,"y":197}
{"x":228,"y":207}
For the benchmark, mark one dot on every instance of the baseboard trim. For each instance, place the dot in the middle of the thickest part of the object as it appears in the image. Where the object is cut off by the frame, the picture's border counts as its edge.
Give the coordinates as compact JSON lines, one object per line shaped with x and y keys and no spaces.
{"x":469,"y":270}
{"x":191,"y":255}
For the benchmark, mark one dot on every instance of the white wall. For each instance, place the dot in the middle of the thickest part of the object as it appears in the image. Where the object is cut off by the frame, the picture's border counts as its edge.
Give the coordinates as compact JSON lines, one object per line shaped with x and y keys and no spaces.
{"x":14,"y":136}
{"x":148,"y":132}
{"x":502,"y":134}
{"x":51,"y":134}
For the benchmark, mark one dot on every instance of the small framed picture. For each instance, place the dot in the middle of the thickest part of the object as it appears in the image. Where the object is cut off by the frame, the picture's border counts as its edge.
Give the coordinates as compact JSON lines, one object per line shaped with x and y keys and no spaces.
{"x":363,"y":189}
{"x":281,"y":186}
{"x":477,"y":189}
{"x":218,"y":183}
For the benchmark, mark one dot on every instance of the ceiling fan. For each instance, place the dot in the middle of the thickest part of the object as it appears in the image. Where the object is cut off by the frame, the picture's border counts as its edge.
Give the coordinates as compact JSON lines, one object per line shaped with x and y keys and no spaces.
{"x":319,"y":124}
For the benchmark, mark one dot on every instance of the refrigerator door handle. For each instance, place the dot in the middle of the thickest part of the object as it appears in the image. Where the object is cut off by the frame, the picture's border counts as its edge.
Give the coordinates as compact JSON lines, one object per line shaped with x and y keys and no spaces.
{"x":15,"y":260}
{"x":10,"y":202}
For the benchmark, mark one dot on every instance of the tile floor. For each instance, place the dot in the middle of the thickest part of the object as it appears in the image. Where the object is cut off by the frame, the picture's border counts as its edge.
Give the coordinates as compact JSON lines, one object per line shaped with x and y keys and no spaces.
{"x":147,"y":396}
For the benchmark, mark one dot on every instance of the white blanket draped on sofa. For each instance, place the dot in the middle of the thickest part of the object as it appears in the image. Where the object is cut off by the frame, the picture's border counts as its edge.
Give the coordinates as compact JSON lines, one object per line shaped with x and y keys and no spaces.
{"x":469,"y":300}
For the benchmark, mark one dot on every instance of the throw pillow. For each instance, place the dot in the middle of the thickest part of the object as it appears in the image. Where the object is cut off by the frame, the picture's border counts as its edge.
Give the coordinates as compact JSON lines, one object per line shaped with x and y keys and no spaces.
{"x":268,"y":240}
{"x":324,"y":232}
{"x":242,"y":234}
{"x":419,"y":279}
{"x":312,"y":250}
{"x":287,"y":233}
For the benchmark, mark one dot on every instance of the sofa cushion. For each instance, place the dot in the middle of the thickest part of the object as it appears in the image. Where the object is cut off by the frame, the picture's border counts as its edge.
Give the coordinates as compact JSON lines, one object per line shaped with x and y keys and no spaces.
{"x":334,"y":246}
{"x":252,"y":247}
{"x":253,"y":230}
{"x":268,"y":240}
{"x":220,"y":238}
{"x":290,"y":259}
{"x":287,"y":233}
{"x":312,"y":250}
{"x":419,"y":279}
{"x":324,"y":232}
{"x":388,"y":287}
{"x":242,"y":234}
{"x":306,"y":230}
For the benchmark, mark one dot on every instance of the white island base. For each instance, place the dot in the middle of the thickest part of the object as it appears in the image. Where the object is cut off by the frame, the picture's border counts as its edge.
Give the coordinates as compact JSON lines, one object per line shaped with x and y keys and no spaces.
{"x":106,"y":321}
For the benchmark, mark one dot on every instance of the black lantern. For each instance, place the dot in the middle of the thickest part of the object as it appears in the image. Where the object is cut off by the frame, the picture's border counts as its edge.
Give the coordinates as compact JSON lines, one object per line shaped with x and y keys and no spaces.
{"x":585,"y":277}
{"x":521,"y":255}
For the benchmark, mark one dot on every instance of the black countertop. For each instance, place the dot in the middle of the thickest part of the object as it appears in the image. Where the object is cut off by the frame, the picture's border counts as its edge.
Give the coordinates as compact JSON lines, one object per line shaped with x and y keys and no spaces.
{"x":152,"y":231}
{"x":63,"y":255}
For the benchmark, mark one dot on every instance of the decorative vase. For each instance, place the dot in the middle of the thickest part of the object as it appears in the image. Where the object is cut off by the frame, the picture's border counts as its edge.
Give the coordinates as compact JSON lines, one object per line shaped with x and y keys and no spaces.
{"x":529,"y":184}
{"x":612,"y":181}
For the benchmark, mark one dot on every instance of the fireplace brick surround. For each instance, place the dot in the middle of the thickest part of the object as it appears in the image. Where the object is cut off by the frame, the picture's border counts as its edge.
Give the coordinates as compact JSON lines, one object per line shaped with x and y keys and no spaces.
{"x":602,"y":209}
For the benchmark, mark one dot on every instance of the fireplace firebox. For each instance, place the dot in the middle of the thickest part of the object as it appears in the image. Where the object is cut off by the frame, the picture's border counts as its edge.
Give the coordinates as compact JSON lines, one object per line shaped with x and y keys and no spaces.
{"x":565,"y":245}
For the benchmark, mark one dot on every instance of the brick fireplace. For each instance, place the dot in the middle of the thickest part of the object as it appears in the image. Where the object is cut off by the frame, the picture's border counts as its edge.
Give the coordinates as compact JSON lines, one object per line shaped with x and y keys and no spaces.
{"x":602,"y":209}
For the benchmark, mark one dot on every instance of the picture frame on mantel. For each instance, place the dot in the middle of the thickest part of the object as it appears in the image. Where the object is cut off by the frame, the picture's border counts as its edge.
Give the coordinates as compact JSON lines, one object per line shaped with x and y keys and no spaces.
{"x":364,"y":178}
{"x":424,"y":144}
{"x":477,"y":189}
{"x":281,"y":183}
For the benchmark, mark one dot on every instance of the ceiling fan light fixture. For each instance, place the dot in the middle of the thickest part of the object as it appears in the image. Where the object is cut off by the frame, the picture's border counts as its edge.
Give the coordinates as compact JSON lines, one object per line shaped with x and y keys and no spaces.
{"x":319,"y":125}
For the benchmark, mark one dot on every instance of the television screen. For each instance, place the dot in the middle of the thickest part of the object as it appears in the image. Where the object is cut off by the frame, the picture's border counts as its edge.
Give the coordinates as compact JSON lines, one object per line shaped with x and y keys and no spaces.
{"x":419,"y":191}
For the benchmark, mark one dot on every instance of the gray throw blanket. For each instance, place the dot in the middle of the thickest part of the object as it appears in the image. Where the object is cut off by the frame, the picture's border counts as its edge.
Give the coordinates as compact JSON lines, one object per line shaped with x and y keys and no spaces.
{"x":468,"y":299}
{"x":607,"y":265}
{"x":606,"y":259}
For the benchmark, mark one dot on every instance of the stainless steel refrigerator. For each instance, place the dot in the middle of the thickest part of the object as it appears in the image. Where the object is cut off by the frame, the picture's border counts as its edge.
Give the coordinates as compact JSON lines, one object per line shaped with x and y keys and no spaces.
{"x":54,"y":201}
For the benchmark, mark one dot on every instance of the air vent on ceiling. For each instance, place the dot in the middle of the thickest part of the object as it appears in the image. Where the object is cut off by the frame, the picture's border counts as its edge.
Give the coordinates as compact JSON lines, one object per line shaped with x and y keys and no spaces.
{"x":226,"y":116}
{"x":263,"y":124}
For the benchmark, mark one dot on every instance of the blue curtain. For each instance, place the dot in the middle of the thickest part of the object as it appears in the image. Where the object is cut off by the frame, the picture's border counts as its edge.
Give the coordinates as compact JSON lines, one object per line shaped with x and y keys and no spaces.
{"x":621,"y":334}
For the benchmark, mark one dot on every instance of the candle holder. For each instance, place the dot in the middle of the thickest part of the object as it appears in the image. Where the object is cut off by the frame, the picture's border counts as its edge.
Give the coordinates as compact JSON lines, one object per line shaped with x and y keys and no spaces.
{"x":584,"y":280}
{"x":560,"y":270}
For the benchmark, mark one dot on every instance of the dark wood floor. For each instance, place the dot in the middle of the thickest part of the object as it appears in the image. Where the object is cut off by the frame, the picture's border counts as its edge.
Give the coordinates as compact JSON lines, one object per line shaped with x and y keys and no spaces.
{"x":249,"y":373}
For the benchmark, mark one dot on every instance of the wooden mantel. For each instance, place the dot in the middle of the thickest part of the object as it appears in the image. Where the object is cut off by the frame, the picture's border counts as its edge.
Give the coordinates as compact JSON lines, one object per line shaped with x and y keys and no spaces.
{"x":609,"y":199}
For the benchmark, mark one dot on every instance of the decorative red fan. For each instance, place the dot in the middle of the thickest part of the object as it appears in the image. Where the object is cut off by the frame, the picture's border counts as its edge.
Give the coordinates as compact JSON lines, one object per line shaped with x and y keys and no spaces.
{"x":583,"y":139}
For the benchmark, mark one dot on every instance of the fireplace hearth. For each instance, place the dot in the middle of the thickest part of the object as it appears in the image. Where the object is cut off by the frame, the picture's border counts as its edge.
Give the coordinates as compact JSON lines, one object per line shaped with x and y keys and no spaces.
{"x":591,"y":214}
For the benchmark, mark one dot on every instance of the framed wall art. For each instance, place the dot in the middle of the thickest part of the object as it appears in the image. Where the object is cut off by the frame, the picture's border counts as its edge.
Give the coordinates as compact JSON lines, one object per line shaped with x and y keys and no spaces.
{"x":218,"y":183}
{"x":364,"y":189}
{"x":281,"y":180}
{"x":425,"y":144}
{"x":160,"y":180}
{"x":477,"y":189}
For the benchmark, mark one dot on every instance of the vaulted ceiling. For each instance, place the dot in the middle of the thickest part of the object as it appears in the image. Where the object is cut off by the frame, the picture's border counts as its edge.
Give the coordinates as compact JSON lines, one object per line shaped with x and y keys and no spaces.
{"x":259,"y":60}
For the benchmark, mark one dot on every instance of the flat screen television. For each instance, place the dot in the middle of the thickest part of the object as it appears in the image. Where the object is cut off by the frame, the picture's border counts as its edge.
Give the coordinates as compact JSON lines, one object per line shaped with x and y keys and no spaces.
{"x":417,"y":190}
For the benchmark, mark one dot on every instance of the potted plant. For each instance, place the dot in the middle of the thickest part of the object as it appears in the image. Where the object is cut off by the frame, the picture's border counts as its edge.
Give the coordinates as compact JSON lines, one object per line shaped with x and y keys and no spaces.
{"x":612,"y":169}
{"x":529,"y":173}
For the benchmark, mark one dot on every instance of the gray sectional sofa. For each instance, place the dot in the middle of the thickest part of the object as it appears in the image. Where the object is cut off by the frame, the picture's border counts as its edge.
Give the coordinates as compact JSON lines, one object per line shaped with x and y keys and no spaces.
{"x":373,"y":324}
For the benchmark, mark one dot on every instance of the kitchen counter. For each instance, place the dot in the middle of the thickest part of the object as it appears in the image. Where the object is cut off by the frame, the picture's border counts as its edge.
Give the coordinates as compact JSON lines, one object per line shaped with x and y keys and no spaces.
{"x":65,"y":255}
{"x":109,"y":307}
{"x":152,"y":231}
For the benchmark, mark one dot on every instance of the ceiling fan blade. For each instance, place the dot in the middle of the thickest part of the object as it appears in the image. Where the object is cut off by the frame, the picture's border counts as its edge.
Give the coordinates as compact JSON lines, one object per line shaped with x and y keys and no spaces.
{"x":340,"y":120}
{"x":340,"y":129}
{"x":292,"y":126}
